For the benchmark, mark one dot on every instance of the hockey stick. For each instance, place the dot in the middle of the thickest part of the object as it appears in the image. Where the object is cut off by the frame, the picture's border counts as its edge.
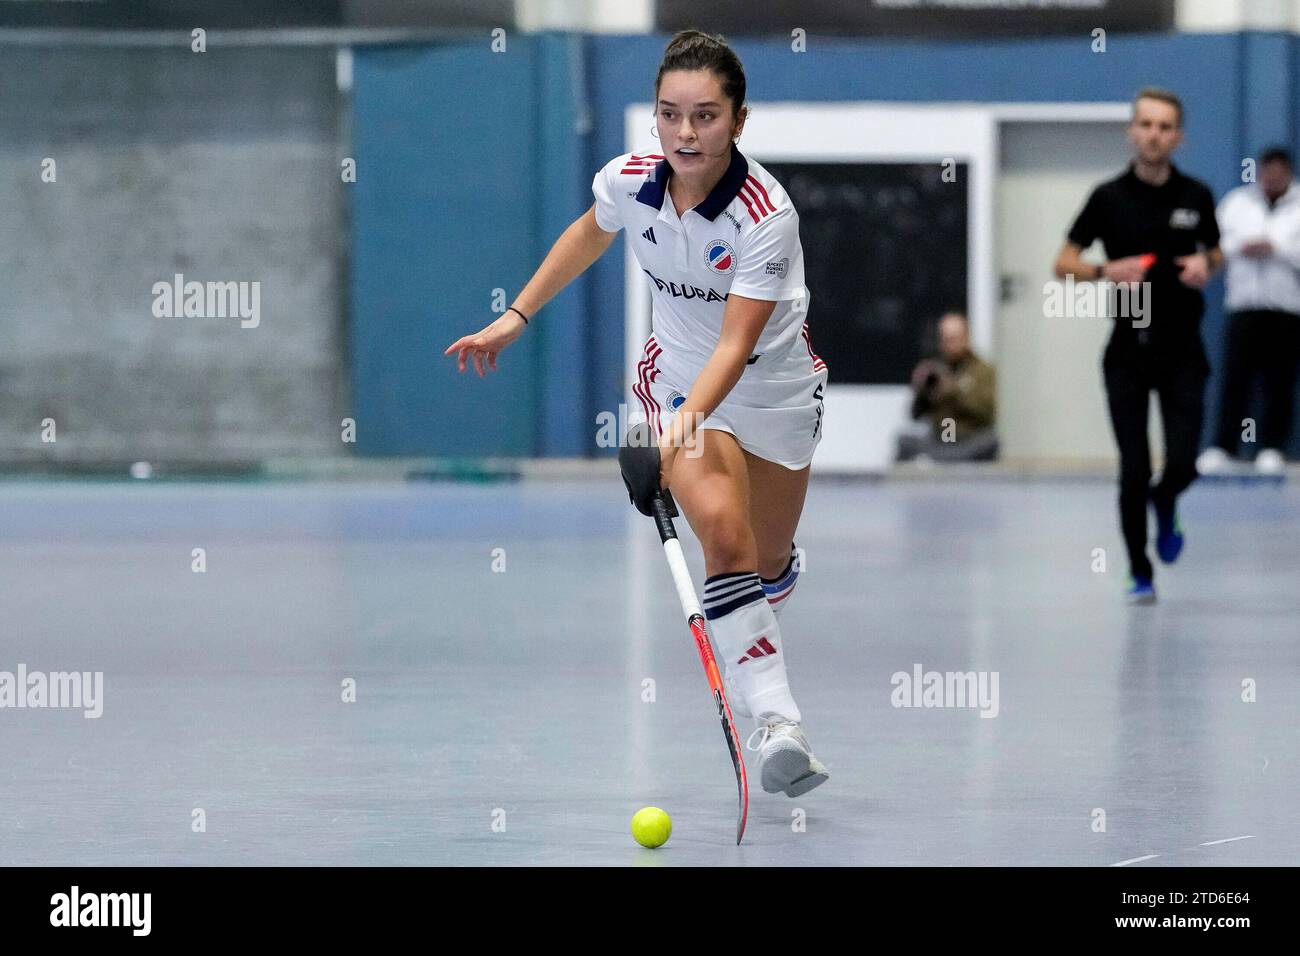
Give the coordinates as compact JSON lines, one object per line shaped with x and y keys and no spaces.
{"x":639,"y":461}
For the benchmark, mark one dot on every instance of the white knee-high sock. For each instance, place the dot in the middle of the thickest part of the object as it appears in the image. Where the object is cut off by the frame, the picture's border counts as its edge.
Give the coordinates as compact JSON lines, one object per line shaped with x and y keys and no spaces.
{"x":748,"y":639}
{"x":779,"y":588}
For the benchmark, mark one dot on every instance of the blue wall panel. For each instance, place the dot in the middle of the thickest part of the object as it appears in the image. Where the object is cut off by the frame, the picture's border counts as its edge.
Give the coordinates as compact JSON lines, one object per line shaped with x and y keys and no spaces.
{"x":470,"y":165}
{"x":473,"y":163}
{"x":444,"y":211}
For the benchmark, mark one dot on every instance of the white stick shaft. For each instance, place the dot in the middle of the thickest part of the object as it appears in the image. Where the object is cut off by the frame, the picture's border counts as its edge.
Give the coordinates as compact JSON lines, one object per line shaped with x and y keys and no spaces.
{"x":682,"y":578}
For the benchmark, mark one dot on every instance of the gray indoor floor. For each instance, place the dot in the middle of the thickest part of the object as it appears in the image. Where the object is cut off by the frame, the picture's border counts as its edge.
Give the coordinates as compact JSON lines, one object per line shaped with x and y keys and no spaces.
{"x":516,"y":696}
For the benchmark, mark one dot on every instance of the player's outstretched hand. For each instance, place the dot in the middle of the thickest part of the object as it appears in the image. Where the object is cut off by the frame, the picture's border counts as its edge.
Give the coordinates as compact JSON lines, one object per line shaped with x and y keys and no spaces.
{"x":486,"y":343}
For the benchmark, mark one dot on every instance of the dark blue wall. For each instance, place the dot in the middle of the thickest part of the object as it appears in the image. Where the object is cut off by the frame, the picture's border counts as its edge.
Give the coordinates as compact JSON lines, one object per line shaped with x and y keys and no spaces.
{"x":477,"y":162}
{"x":466,"y":172}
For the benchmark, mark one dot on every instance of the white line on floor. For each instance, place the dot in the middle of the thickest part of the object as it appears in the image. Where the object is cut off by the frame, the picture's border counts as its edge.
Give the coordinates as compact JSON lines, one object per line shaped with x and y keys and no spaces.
{"x":1136,"y":859}
{"x":1229,"y":840}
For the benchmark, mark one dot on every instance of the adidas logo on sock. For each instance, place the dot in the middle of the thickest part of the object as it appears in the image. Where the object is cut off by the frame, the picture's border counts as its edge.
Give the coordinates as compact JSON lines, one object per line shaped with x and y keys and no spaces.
{"x":763,"y":648}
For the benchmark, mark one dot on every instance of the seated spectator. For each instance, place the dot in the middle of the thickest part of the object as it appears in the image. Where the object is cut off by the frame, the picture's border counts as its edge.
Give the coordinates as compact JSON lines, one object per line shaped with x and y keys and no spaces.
{"x":957,"y":392}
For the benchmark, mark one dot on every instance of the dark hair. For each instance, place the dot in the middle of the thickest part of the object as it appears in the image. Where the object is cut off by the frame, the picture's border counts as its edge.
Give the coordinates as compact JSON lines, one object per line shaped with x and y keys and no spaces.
{"x":693,"y":50}
{"x":1276,"y":154}
{"x":1161,"y":94}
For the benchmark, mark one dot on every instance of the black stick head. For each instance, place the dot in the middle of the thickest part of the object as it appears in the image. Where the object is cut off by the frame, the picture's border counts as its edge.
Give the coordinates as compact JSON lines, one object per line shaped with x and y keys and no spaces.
{"x":639,"y":461}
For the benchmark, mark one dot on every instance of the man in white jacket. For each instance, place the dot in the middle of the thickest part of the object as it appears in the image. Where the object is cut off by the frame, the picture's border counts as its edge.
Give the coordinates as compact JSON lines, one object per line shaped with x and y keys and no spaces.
{"x":1260,"y":224}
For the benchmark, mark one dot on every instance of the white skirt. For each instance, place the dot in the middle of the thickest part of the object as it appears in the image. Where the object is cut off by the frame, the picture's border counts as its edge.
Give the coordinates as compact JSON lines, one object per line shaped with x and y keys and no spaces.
{"x":775,"y":410}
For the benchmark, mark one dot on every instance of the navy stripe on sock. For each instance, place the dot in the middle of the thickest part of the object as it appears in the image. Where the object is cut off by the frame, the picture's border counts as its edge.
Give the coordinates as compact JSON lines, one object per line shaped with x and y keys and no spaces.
{"x":727,"y":578}
{"x":718,"y":593}
{"x":748,"y":597}
{"x":788,"y":565}
{"x":779,"y":577}
{"x":731,"y":584}
{"x":743,"y":597}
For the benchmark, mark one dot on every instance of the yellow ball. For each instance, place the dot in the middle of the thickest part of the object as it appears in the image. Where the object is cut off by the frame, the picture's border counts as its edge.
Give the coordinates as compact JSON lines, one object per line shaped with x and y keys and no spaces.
{"x":651,"y":827}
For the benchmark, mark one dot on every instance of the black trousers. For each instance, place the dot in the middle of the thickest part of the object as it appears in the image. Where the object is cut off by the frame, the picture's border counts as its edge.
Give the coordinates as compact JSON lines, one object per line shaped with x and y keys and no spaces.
{"x":1267,"y":344}
{"x":1177,"y":375}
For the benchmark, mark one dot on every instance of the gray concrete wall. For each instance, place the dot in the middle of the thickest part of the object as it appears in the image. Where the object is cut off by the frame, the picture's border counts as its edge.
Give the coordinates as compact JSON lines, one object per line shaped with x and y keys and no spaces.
{"x":222,"y":166}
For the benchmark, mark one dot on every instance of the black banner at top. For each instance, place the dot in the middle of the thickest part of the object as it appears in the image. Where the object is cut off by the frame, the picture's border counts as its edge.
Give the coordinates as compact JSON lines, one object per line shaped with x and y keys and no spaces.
{"x":920,"y":18}
{"x":252,"y":14}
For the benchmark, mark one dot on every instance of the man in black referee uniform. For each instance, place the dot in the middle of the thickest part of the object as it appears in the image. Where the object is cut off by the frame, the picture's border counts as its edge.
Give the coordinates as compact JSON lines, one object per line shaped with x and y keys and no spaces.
{"x":1158,"y":227}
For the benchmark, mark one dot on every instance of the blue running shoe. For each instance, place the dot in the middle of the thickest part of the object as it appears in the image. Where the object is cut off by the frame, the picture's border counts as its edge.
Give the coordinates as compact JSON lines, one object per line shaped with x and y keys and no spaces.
{"x":1141,"y":591}
{"x":1169,"y":537}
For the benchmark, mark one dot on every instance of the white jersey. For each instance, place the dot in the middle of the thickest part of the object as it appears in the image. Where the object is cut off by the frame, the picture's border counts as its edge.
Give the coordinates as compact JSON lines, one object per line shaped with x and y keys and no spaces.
{"x":743,"y":239}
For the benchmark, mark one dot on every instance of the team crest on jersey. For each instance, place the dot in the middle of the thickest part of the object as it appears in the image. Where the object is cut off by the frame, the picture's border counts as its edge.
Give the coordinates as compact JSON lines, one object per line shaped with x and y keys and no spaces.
{"x":721,"y":258}
{"x":675,"y":400}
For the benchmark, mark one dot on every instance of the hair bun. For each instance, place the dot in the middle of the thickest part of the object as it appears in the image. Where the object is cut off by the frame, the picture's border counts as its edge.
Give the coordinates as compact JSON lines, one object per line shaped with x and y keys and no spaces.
{"x":685,"y":38}
{"x":695,"y":50}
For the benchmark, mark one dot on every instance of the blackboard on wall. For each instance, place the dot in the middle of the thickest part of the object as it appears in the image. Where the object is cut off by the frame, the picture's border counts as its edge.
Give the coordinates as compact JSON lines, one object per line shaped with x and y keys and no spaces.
{"x":884,"y":249}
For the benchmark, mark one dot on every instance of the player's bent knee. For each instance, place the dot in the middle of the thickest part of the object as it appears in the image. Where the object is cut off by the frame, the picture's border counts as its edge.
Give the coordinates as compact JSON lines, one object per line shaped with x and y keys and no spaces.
{"x":727,"y":539}
{"x":730,"y":548}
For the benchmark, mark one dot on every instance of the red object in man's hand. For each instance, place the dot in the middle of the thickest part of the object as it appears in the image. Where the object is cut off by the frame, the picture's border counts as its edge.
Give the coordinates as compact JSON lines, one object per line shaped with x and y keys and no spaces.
{"x":1148,"y":259}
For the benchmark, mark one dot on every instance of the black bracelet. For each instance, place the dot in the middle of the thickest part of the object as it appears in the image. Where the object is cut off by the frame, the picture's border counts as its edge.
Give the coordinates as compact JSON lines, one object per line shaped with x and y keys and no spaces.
{"x":511,"y":308}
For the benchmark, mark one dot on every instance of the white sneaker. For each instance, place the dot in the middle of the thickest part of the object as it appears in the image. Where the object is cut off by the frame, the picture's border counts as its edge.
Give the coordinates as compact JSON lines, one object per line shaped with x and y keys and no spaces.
{"x":786,"y":761}
{"x":1270,"y":462}
{"x":1213,"y":461}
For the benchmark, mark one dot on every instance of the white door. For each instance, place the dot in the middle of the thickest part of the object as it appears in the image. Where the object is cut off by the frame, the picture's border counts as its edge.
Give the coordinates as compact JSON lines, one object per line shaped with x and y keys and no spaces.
{"x":1051,"y":402}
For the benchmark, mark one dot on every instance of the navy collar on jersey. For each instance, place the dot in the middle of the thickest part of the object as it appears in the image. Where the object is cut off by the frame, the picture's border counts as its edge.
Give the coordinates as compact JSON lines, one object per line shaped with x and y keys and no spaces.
{"x":728,"y":188}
